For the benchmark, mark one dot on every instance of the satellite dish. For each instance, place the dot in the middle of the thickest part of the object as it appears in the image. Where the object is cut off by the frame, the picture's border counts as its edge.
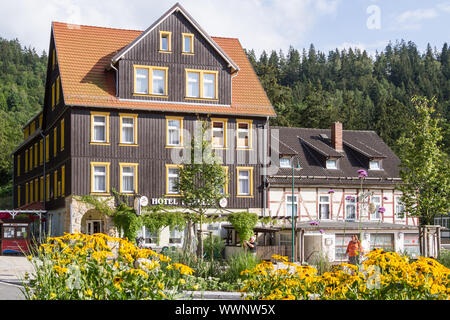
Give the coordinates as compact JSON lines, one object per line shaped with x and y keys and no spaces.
{"x":143,"y":201}
{"x":223,"y":202}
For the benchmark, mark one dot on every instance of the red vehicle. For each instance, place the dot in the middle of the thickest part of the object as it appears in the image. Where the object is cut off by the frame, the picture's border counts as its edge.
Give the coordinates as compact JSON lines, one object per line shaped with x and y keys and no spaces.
{"x":15,"y":237}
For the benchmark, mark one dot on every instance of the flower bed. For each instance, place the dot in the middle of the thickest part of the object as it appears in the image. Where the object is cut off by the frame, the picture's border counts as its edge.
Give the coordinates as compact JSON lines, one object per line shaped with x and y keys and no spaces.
{"x":382,"y":276}
{"x":79,"y":266}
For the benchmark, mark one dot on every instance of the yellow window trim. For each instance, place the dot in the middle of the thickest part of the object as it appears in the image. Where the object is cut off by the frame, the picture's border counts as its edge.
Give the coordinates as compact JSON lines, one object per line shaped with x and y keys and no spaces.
{"x":62,"y":134}
{"x":135,"y":166}
{"x":47,"y":148}
{"x":36,"y":189}
{"x":226,"y":180}
{"x":31,"y":199}
{"x":26,"y":160}
{"x":135,"y":119}
{"x":107,"y":165}
{"x":63,"y":181}
{"x":18,"y":165}
{"x":225,"y":124}
{"x":26,"y":193}
{"x":53,"y":59}
{"x":57,"y":90}
{"x":30,"y":153}
{"x":35,"y":154}
{"x":53,"y":96}
{"x":32,"y":127}
{"x":201,"y":73}
{"x":103,"y":114}
{"x":191,"y":36}
{"x":40,"y":120}
{"x":47,"y":187}
{"x":181,"y":131}
{"x":55,"y":184}
{"x":41,"y":189}
{"x":169,"y":44}
{"x":18,"y":196}
{"x":26,"y":132}
{"x":250,"y":126}
{"x":170,"y":166}
{"x":150,"y":81}
{"x":250,"y":169}
{"x":41,"y":151}
{"x":55,"y":141}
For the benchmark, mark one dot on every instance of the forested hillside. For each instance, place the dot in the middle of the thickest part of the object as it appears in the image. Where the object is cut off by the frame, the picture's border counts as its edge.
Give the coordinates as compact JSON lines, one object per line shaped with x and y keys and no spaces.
{"x":308,"y":89}
{"x":313,"y":89}
{"x":22,"y":76}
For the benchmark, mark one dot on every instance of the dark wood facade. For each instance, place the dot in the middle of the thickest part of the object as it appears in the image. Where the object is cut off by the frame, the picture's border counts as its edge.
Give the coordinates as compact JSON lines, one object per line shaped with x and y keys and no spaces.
{"x":151,"y":153}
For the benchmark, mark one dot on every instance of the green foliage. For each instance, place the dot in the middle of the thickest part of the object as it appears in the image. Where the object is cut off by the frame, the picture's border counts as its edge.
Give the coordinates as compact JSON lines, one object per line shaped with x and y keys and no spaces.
{"x":126,"y":220}
{"x":214,"y":245}
{"x":156,"y":220}
{"x":425,"y":167}
{"x":22,"y":79}
{"x":444,"y":258}
{"x":313,"y":89}
{"x":243,"y":222}
{"x":238,"y":263}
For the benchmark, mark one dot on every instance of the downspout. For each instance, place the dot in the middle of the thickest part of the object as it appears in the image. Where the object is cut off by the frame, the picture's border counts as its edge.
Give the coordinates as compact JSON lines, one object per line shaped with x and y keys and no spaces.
{"x":117,"y":79}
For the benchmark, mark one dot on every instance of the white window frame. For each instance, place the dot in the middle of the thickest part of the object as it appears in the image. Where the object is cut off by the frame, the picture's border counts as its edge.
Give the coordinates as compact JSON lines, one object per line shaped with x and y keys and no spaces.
{"x":127,"y":174}
{"x":329,"y":164}
{"x":172,"y":176}
{"x":223,"y":130}
{"x":248,"y":131}
{"x":376,"y":215}
{"x":179,"y":129}
{"x":283,"y":163}
{"x":352,"y":203}
{"x":378,"y":162}
{"x":91,"y":223}
{"x":127,"y":125}
{"x":99,"y":124}
{"x":96,"y":174}
{"x":289,"y":205}
{"x":250,"y":181}
{"x":136,"y":76}
{"x":397,"y":203}
{"x":319,"y":214}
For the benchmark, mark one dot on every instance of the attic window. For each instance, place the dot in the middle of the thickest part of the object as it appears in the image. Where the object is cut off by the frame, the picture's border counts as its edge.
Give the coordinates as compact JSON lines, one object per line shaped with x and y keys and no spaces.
{"x":374,"y":165}
{"x":331,"y":164}
{"x":165,"y":41}
{"x":285,"y":163}
{"x":188,"y":43}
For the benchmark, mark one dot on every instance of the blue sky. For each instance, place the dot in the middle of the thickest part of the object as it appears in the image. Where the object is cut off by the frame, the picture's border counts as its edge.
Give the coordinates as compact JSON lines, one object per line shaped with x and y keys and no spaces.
{"x":259,"y":24}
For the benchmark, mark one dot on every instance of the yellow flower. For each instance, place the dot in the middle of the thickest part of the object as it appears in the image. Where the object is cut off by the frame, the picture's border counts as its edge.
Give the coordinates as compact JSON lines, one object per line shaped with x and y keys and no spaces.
{"x":88,"y":292}
{"x":182,"y":281}
{"x":52,"y":295}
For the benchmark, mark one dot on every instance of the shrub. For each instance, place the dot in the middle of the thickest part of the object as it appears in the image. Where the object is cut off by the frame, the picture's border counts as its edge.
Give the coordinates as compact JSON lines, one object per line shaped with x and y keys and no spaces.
{"x":215,"y":245}
{"x":78,"y":266}
{"x":237,"y":263}
{"x":444,"y":258}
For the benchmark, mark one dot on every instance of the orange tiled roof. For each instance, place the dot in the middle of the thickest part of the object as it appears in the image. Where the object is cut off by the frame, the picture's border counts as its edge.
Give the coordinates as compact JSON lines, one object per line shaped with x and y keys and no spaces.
{"x":83,"y":53}
{"x":32,"y":206}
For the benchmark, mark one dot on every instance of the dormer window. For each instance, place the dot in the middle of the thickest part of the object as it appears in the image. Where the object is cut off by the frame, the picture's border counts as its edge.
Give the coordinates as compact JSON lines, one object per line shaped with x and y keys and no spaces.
{"x":149,"y":80}
{"x":331,"y":164}
{"x":165,"y":41}
{"x":375,"y":165}
{"x":188,"y":43}
{"x":285,"y":163}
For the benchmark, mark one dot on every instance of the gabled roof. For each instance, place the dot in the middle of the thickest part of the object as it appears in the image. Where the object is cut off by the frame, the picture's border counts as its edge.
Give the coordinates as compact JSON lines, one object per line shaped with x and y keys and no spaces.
{"x":178,"y":8}
{"x":312,"y":149}
{"x":85,"y":52}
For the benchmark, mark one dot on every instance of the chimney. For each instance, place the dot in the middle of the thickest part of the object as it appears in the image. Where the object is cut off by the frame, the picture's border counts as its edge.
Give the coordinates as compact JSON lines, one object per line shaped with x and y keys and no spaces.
{"x":336,"y":136}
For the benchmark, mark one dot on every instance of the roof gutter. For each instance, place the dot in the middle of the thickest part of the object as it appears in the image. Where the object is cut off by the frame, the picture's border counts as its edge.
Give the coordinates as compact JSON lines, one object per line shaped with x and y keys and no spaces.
{"x":117,"y":78}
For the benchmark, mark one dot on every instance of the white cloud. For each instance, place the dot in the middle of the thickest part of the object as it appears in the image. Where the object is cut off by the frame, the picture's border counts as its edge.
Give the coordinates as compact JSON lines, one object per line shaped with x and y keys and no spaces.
{"x":412,"y":19}
{"x":444,"y":6}
{"x":259,"y":24}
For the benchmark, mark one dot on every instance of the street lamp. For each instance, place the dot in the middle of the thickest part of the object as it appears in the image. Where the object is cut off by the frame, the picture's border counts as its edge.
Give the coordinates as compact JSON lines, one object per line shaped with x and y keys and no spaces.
{"x":292,"y":206}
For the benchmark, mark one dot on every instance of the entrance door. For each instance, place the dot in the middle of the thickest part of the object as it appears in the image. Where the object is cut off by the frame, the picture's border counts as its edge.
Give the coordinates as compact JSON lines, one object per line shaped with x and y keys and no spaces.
{"x":94,"y":226}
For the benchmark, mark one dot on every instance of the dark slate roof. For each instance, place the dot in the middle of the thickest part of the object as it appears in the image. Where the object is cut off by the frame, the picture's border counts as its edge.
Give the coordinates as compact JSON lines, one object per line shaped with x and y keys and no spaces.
{"x":313,"y":147}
